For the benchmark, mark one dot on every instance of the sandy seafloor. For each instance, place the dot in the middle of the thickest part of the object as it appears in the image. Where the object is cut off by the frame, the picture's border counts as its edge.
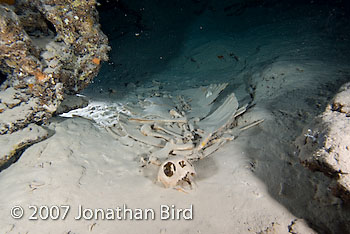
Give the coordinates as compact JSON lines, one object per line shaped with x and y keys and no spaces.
{"x":289,"y":67}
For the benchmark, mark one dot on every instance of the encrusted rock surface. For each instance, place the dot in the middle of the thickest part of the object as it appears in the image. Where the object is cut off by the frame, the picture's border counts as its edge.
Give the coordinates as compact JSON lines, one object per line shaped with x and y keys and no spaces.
{"x":48,"y":48}
{"x":325,"y":146}
{"x":14,"y":143}
{"x":72,"y":102}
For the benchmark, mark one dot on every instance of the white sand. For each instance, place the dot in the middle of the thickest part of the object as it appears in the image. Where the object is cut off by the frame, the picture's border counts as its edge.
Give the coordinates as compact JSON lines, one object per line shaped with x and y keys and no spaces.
{"x":96,"y":171}
{"x":254,"y":184}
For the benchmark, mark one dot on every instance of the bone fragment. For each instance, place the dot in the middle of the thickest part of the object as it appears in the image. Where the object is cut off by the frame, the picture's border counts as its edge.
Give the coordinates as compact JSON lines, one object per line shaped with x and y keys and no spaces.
{"x":251,"y":124}
{"x":115,"y":132}
{"x":157,"y":126}
{"x":175,"y":114}
{"x":137,"y":135}
{"x":240,"y":110}
{"x":183,"y":153}
{"x":204,"y":142}
{"x":214,"y":147}
{"x":168,"y":148}
{"x":147,"y":131}
{"x":139,"y":120}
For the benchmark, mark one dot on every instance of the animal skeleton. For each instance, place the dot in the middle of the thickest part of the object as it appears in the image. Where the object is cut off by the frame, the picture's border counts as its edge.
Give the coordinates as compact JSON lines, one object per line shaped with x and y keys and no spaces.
{"x":185,"y":126}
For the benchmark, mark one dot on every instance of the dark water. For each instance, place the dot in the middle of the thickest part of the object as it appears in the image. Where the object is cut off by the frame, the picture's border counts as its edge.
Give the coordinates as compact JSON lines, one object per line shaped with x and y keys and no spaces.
{"x":146,"y":36}
{"x":190,"y":43}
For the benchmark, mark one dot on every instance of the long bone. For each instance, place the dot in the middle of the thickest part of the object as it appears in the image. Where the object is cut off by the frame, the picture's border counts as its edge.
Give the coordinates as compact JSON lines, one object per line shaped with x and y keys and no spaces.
{"x":147,"y":131}
{"x":137,"y":135}
{"x":157,"y":126}
{"x":140,"y":120}
{"x":168,"y":148}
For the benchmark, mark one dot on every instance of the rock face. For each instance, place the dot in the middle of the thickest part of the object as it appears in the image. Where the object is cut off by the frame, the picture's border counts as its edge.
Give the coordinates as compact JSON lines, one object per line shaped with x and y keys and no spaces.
{"x":325,"y":146}
{"x":15,"y":143}
{"x":48,"y":48}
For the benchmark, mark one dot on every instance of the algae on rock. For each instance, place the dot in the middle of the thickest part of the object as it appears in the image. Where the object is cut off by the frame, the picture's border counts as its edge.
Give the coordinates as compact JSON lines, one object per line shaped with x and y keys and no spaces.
{"x":48,"y":49}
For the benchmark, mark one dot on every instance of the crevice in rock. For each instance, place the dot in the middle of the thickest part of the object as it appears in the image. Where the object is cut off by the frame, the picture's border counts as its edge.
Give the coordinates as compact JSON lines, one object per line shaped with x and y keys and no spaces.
{"x":3,"y":77}
{"x":14,"y":158}
{"x":50,"y":26}
{"x":21,"y":149}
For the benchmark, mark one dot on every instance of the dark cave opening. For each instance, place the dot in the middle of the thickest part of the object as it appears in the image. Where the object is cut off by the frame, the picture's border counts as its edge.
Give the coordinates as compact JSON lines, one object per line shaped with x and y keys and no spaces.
{"x":50,"y":26}
{"x":3,"y":77}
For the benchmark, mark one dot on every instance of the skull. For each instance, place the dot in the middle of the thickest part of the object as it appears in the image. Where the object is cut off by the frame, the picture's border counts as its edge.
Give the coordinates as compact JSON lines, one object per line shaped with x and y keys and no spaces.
{"x":175,"y":171}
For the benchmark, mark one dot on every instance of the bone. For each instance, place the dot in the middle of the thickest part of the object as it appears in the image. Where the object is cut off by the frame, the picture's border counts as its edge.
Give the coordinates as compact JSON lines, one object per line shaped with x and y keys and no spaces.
{"x":222,"y":116}
{"x":136,"y":134}
{"x":219,"y":121}
{"x":211,"y":149}
{"x":175,"y":171}
{"x":175,"y":114}
{"x":168,"y":148}
{"x":176,"y":128}
{"x":202,"y":98}
{"x":139,"y":120}
{"x":115,"y":132}
{"x":204,"y":142}
{"x":183,"y":153}
{"x":157,"y":126}
{"x":147,"y":131}
{"x":251,"y":125}
{"x":241,"y":110}
{"x":200,"y":132}
{"x":187,"y":133}
{"x":191,"y":127}
{"x":187,"y":126}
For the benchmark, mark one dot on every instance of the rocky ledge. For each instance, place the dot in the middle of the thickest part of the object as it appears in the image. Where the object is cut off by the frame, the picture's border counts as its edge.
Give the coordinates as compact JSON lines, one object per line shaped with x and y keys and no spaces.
{"x":325,"y":145}
{"x":48,"y":49}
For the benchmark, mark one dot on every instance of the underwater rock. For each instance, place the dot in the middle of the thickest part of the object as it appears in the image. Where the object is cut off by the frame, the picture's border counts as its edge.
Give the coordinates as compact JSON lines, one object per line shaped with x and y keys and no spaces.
{"x":325,"y":146}
{"x":48,"y":49}
{"x":12,"y":145}
{"x":341,"y":101}
{"x":72,"y":102}
{"x":299,"y":226}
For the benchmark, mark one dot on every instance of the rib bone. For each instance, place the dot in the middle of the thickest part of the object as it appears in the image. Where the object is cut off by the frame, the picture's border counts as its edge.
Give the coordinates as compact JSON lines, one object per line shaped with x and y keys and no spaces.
{"x":157,"y":126}
{"x":168,"y":148}
{"x":147,"y":131}
{"x":139,"y":120}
